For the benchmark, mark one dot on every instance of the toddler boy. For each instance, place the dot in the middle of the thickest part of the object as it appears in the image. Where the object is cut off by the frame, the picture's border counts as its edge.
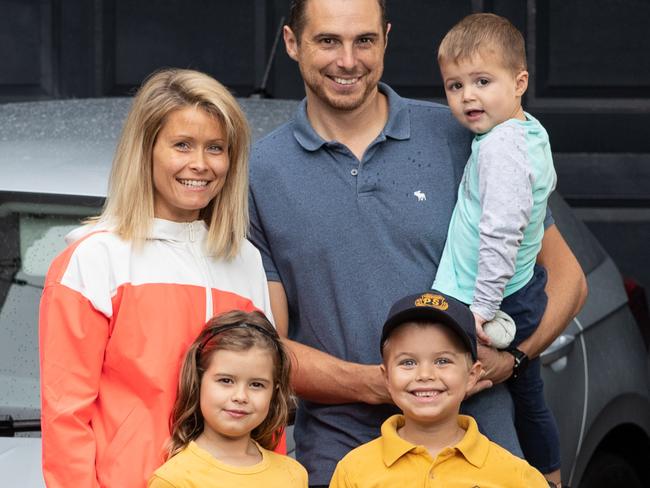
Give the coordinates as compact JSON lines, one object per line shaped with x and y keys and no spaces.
{"x":497,"y":226}
{"x":428,"y":348}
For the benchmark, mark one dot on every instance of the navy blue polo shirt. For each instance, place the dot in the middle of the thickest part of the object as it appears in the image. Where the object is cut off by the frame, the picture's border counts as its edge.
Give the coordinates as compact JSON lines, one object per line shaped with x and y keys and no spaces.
{"x":347,"y":238}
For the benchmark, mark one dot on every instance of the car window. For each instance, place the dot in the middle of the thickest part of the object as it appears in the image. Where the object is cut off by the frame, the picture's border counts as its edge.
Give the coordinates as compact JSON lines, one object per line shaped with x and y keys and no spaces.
{"x":30,"y":237}
{"x":42,"y":237}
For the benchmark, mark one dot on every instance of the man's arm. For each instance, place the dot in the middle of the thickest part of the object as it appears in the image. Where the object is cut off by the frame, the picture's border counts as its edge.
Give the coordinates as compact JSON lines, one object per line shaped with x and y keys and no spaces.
{"x":320,"y":377}
{"x":317,"y":376}
{"x":566,"y":289}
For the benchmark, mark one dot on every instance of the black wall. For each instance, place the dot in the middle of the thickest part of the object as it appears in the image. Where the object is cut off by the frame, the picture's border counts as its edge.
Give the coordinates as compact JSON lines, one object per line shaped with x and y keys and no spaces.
{"x":589,"y":62}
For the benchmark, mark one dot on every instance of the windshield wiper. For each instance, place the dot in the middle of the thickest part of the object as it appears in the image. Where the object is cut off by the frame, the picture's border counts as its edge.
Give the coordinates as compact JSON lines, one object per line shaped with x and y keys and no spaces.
{"x":9,"y":269}
{"x":9,"y":427}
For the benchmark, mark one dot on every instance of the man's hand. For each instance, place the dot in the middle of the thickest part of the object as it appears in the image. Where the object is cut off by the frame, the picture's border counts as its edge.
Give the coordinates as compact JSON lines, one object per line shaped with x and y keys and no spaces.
{"x":377,"y":388}
{"x":497,"y":368}
{"x":497,"y":364}
{"x":320,"y":377}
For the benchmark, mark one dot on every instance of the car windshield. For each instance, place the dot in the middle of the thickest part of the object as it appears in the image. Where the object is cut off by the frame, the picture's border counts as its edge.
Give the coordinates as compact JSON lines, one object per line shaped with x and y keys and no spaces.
{"x":30,"y":237}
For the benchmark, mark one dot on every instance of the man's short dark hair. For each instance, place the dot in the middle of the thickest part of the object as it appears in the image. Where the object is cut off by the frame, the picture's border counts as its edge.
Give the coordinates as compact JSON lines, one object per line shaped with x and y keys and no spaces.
{"x":297,"y":16}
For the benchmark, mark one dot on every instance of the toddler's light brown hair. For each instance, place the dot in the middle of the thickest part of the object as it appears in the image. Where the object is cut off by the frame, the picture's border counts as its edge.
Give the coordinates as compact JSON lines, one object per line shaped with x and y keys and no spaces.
{"x":484,"y":33}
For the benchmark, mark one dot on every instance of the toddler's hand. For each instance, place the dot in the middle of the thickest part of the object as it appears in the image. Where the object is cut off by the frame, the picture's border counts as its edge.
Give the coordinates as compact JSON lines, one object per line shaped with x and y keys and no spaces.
{"x":480,"y":333}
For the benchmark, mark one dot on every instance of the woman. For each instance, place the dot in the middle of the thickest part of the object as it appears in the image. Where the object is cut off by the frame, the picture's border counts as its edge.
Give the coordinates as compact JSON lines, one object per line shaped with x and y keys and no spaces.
{"x":123,"y":302}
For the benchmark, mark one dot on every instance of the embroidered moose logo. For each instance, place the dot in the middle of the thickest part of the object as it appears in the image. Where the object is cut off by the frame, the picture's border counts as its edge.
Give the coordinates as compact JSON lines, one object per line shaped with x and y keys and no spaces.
{"x":421,"y":196}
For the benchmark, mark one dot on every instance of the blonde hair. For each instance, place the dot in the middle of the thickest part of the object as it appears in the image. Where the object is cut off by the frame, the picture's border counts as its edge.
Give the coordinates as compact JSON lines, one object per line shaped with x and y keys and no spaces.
{"x":484,"y":31}
{"x":129,"y":205}
{"x":233,"y":331}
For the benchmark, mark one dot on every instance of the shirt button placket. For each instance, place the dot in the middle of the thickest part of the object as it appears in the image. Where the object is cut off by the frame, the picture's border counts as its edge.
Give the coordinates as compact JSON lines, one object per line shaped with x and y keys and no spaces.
{"x":431,"y":478}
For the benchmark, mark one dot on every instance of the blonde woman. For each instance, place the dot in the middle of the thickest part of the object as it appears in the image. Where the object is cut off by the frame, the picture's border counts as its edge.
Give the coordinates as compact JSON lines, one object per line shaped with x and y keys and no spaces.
{"x":124,"y":301}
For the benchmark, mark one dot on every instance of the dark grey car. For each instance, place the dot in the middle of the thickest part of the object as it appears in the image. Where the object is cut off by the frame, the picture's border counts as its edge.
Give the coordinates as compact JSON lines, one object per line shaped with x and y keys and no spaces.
{"x":54,"y":163}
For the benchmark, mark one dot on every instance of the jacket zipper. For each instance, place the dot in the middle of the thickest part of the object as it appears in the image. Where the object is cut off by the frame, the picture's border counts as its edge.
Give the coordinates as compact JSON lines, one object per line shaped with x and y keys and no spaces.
{"x":199,"y":257}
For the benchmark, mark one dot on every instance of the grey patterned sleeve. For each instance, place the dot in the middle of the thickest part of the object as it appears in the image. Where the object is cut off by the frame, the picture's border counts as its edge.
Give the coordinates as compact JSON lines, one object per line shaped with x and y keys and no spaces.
{"x":506,"y":193}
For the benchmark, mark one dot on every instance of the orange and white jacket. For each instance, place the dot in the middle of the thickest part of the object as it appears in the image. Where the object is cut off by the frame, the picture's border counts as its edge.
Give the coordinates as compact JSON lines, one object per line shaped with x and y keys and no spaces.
{"x":115,"y":322}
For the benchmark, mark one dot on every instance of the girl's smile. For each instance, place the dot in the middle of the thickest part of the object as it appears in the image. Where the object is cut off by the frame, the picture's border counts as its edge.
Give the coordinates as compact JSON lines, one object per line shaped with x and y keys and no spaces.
{"x":236,"y":392}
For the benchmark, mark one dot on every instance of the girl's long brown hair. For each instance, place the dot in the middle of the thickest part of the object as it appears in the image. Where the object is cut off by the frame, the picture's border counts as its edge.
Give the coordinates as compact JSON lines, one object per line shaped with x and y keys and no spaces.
{"x":186,"y":422}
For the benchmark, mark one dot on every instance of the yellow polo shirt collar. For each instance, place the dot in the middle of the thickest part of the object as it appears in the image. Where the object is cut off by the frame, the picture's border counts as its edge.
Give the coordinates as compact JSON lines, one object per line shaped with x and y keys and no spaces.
{"x":473,"y":446}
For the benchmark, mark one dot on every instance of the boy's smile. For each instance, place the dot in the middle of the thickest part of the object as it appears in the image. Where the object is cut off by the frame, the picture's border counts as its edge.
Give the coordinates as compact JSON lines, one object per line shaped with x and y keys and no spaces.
{"x":482,"y":92}
{"x":428,"y":372}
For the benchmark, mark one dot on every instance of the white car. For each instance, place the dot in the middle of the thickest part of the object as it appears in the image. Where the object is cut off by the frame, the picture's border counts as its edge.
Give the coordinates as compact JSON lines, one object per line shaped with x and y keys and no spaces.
{"x":54,"y":163}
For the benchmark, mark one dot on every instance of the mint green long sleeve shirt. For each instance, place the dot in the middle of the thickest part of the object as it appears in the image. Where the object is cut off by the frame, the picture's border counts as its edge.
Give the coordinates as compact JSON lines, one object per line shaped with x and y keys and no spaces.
{"x":497,"y":226}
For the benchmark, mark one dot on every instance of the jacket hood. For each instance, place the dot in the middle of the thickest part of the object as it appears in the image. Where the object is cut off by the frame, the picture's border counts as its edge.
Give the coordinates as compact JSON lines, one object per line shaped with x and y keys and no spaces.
{"x":161,"y":229}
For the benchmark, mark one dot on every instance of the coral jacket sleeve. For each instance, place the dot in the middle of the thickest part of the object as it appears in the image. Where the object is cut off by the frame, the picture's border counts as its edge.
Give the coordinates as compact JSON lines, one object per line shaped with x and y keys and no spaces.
{"x":73,"y":338}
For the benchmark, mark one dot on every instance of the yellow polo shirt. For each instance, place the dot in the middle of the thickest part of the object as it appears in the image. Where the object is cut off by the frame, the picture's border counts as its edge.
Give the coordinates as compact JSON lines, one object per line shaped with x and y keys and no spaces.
{"x":475,"y":462}
{"x":194,"y":467}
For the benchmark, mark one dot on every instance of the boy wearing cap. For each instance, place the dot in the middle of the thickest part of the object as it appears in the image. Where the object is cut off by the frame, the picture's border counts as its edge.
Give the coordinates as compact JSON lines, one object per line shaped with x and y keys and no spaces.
{"x":428,"y":349}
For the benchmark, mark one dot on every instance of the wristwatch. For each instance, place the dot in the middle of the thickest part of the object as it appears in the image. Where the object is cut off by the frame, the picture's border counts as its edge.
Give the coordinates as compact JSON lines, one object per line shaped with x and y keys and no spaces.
{"x":521,"y":361}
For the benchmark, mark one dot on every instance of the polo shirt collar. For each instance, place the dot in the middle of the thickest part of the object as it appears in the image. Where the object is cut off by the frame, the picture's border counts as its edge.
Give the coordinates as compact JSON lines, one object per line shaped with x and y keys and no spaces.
{"x":398,"y":125}
{"x":473,"y":446}
{"x":304,"y":132}
{"x":393,"y":446}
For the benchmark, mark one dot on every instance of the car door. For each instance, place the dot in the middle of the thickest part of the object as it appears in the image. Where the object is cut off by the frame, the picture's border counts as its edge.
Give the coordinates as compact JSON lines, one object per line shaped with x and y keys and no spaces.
{"x":31,"y":235}
{"x":572,"y":392}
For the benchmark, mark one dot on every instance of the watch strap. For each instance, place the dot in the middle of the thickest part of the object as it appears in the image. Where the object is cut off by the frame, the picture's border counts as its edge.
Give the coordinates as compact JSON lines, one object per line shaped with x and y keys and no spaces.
{"x":521,"y":361}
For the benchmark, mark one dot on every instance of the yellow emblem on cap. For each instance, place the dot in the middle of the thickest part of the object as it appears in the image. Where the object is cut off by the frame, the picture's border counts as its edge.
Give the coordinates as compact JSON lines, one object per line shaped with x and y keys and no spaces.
{"x":431,"y":300}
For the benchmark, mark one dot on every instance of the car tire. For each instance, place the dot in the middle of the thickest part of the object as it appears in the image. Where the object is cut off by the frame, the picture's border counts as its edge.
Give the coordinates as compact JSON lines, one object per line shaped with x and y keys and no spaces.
{"x":610,"y":470}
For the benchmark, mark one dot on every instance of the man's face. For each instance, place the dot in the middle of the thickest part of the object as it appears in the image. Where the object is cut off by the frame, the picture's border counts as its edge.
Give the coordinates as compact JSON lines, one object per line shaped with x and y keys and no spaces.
{"x":340,"y":51}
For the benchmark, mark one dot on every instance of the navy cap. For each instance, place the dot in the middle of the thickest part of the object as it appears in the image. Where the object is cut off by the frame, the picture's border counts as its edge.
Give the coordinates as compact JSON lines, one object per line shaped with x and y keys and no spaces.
{"x":433,"y":306}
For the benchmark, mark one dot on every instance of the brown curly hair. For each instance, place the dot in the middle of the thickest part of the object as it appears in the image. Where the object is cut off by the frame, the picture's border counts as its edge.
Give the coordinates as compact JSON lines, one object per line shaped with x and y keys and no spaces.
{"x":233,"y":331}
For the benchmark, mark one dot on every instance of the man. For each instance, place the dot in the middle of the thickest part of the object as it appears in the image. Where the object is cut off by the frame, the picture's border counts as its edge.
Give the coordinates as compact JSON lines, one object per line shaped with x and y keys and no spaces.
{"x":350,"y":204}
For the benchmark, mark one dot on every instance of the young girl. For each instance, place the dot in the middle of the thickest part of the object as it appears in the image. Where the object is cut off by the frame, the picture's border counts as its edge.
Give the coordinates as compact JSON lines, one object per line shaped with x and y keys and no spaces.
{"x":233,"y":399}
